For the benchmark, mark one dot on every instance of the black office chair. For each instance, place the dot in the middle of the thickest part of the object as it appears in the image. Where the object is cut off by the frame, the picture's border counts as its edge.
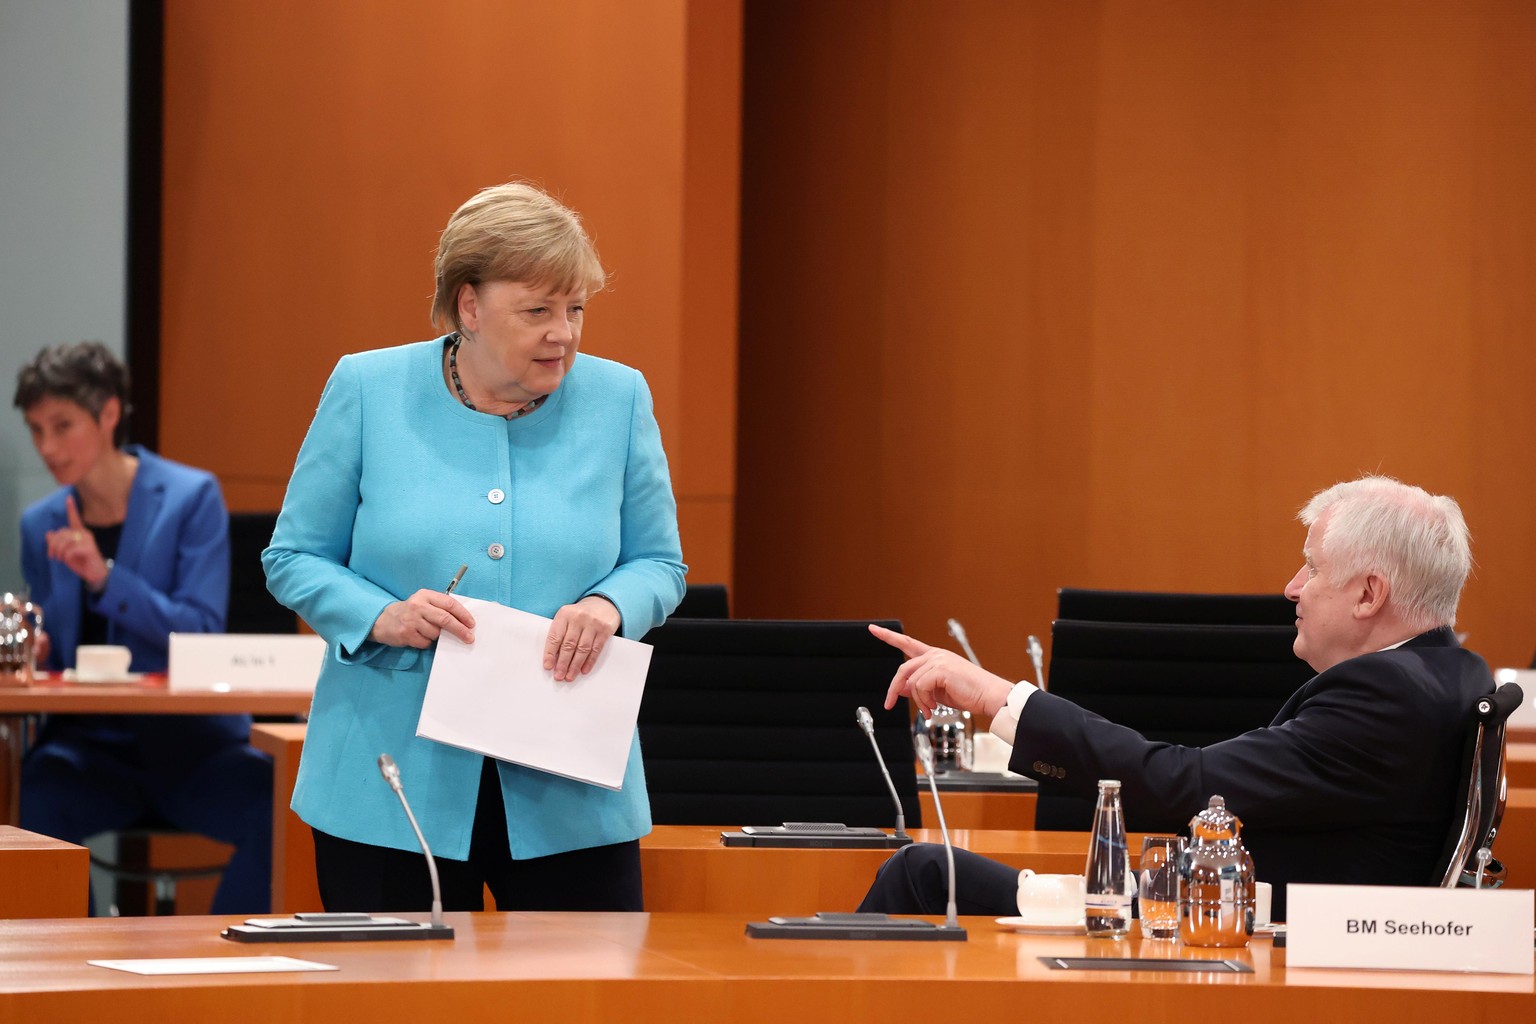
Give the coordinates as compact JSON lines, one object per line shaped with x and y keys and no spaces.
{"x":1190,"y":684}
{"x":704,"y":601}
{"x":753,"y":723}
{"x":252,"y":608}
{"x":1468,"y":857}
{"x":1151,"y":606}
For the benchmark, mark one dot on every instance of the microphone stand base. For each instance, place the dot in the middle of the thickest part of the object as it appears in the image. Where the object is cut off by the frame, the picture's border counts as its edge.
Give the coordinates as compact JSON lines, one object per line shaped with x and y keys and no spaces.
{"x":868,"y":839}
{"x":876,"y":927}
{"x":382,"y":929}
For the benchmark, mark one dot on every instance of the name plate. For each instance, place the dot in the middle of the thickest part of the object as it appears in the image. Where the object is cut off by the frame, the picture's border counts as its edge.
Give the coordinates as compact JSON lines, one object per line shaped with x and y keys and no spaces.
{"x":1410,"y":928}
{"x":245,"y":661}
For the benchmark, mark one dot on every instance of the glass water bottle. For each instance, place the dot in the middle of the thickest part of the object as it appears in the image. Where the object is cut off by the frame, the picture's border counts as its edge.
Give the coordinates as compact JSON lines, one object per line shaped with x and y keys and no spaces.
{"x":1108,"y":878}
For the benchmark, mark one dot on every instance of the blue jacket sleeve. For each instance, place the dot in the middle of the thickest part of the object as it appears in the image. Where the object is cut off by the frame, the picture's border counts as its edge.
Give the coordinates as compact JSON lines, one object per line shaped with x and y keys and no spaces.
{"x":199,"y":597}
{"x":307,"y":561}
{"x":647,"y":583}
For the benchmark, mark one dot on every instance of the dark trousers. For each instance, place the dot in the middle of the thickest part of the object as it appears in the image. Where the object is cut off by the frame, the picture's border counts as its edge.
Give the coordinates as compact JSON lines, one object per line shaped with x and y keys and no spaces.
{"x":358,"y":877}
{"x":73,"y":788}
{"x":916,"y":881}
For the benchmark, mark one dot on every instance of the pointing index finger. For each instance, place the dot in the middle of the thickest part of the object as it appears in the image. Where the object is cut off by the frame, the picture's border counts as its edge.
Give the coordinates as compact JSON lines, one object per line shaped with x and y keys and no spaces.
{"x":910,"y":646}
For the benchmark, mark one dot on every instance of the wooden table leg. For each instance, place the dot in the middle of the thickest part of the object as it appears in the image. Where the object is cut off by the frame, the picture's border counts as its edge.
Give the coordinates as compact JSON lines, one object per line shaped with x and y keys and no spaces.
{"x":294,"y":888}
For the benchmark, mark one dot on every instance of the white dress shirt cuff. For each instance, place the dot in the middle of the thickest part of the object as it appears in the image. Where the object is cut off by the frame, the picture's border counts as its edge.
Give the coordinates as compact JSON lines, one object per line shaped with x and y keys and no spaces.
{"x":1006,"y":722}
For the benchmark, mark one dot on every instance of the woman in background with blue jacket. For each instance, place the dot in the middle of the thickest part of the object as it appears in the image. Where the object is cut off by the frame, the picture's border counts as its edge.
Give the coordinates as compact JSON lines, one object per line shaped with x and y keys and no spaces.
{"x":131,"y":548}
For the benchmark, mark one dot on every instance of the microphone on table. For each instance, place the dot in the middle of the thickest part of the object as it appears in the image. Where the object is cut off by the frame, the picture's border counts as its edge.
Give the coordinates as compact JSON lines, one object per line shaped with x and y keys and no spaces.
{"x":354,"y":927}
{"x":1037,"y":656}
{"x":925,"y":755}
{"x":867,"y":723}
{"x":868,"y":925}
{"x":823,"y":834}
{"x":958,"y":632}
{"x":391,"y":773}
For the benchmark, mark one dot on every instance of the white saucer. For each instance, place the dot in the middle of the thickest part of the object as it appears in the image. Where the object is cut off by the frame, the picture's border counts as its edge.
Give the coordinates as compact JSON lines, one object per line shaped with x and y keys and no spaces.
{"x":69,"y":675}
{"x":1024,"y":927}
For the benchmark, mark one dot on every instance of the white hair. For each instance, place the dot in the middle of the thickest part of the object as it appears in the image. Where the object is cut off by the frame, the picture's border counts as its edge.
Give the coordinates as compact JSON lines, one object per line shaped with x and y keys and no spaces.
{"x":1418,"y":541}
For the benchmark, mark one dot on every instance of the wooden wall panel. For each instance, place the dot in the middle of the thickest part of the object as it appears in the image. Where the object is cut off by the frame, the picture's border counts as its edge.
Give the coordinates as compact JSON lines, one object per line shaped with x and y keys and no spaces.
{"x":1097,"y":294}
{"x":707,"y":294}
{"x":314,"y":151}
{"x":810,"y":510}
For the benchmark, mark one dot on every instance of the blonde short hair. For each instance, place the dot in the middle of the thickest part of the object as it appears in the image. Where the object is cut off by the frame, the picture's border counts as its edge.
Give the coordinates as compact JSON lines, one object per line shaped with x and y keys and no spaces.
{"x":512,"y":232}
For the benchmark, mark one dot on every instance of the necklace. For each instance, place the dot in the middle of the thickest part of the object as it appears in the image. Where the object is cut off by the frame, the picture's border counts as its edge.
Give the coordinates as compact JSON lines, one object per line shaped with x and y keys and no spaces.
{"x":458,"y":385}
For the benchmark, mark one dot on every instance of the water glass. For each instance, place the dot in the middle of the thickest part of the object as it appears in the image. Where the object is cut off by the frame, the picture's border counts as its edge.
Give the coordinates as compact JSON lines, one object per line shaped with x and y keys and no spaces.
{"x":1158,"y":894}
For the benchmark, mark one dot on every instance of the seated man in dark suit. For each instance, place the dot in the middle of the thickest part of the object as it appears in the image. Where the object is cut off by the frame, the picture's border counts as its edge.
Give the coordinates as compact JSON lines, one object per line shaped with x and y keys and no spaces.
{"x":1353,"y":782}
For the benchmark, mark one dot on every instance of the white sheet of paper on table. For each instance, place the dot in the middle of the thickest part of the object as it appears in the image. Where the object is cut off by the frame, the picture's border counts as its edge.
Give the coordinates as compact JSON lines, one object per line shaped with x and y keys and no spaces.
{"x":213,"y":965}
{"x":495,"y":698}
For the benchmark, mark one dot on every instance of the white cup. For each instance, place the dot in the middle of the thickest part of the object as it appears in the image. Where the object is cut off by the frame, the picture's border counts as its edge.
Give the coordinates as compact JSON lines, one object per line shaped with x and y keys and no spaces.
{"x":1262,"y":893}
{"x":1050,"y":899}
{"x":100,"y":662}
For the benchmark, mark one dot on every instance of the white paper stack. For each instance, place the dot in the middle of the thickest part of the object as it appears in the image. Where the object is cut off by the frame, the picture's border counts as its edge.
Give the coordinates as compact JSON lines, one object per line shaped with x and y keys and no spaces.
{"x":495,"y":698}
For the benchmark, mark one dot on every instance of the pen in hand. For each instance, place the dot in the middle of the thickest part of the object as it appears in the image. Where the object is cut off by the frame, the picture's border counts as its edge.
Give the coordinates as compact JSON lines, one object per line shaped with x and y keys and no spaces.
{"x":419,"y":620}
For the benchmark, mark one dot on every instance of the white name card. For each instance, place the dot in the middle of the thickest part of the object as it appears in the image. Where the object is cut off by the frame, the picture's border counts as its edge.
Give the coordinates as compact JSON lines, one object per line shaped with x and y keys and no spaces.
{"x":1410,"y":928}
{"x":245,"y":661}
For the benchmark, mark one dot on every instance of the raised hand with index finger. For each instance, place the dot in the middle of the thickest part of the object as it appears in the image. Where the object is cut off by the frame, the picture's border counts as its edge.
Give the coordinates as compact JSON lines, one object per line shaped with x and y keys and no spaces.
{"x":932,"y":676}
{"x":75,"y":546}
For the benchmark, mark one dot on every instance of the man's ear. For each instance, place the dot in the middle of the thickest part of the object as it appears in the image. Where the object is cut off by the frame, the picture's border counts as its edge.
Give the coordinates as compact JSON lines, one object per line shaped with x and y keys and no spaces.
{"x":1371,"y":597}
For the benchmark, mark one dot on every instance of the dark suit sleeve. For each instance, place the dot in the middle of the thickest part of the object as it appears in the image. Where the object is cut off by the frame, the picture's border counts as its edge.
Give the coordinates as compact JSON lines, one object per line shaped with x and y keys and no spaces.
{"x":1356,"y":743}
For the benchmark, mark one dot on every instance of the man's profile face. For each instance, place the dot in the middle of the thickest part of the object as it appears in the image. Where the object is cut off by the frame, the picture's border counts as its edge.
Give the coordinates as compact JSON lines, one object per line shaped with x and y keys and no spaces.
{"x":1327,"y":631}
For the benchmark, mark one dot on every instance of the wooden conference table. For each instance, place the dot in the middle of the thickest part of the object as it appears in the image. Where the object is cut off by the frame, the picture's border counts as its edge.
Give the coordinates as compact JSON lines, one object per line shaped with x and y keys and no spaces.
{"x":686,"y":868}
{"x":41,"y":877}
{"x":146,"y":696}
{"x":641,"y":968}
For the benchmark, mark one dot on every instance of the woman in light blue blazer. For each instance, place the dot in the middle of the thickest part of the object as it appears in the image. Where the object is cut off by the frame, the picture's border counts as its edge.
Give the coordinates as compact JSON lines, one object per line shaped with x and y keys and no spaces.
{"x":497,"y":447}
{"x":129,"y":549}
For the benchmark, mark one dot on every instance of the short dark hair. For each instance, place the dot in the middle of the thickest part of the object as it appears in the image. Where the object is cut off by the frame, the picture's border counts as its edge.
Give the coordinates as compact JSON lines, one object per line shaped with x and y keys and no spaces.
{"x":86,"y":373}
